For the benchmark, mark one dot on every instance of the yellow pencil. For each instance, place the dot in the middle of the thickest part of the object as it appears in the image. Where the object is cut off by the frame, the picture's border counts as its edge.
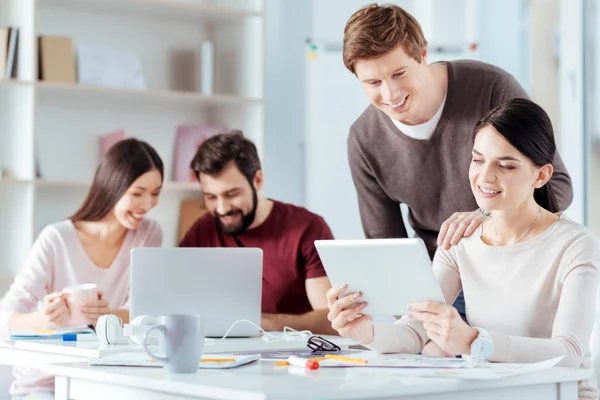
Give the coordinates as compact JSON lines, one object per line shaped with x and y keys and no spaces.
{"x":318,"y":359}
{"x":349,"y":359}
{"x":218,"y":360}
{"x":50,"y":331}
{"x":281,"y":363}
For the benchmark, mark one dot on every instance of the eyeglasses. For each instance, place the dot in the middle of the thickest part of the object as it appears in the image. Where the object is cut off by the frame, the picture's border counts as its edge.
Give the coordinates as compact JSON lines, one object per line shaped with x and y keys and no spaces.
{"x":318,"y":344}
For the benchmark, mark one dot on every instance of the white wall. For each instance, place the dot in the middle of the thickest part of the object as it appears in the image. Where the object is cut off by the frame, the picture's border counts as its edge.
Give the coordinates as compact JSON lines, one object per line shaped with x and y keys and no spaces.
{"x":500,"y":37}
{"x":543,"y":66}
{"x":287,"y":24}
{"x":593,"y":120}
{"x":572,"y":142}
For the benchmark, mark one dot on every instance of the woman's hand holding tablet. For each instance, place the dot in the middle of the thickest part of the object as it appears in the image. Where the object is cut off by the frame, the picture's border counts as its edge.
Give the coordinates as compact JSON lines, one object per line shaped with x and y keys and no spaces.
{"x":345,"y":314}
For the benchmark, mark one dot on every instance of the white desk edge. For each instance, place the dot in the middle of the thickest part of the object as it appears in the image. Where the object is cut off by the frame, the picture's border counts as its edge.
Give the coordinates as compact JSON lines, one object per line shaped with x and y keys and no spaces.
{"x":183,"y":387}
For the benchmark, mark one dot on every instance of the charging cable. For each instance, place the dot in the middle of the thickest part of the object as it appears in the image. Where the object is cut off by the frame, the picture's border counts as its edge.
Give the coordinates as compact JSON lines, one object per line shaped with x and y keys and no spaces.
{"x":289,"y":334}
{"x":109,"y":330}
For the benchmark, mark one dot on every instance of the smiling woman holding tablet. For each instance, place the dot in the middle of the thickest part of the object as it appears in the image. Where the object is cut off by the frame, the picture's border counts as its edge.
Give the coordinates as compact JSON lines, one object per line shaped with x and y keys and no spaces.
{"x":529,"y":274}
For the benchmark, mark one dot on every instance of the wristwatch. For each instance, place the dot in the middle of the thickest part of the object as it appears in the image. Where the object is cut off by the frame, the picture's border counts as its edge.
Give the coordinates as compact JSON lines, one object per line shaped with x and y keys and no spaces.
{"x":482,"y":347}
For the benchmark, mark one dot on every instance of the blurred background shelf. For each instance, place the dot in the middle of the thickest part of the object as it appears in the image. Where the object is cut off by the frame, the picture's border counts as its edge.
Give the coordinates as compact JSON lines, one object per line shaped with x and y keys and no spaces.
{"x":56,"y":91}
{"x":172,"y":9}
{"x":64,"y":91}
{"x":85,"y":184}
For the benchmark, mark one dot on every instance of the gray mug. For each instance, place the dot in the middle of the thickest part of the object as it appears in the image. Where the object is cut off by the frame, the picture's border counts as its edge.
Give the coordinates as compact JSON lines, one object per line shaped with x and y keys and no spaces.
{"x":181,"y":341}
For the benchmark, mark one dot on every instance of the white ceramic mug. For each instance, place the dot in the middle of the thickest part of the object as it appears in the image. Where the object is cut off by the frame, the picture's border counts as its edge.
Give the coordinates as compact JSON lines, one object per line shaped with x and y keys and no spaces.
{"x":77,"y":296}
{"x":182,"y":342}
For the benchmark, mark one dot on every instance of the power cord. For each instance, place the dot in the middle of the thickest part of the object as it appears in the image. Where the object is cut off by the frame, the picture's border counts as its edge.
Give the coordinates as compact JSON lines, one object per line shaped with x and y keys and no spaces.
{"x":109,"y":330}
{"x":289,"y":334}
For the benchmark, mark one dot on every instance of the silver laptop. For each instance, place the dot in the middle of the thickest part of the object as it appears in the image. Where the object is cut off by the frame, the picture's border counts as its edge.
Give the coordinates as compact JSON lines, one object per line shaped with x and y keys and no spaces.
{"x":222,"y":284}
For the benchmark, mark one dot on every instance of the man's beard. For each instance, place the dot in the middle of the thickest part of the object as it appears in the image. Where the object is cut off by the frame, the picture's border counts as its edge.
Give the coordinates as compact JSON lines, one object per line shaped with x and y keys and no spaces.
{"x":247,"y":219}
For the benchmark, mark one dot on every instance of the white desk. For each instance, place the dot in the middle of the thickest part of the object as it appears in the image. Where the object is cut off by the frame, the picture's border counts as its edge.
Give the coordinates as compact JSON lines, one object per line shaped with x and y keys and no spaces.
{"x":263,"y":380}
{"x":33,"y":353}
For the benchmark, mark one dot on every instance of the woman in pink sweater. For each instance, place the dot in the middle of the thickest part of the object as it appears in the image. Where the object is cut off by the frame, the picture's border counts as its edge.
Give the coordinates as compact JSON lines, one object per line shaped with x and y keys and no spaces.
{"x":92,"y":246}
{"x":528,"y":273}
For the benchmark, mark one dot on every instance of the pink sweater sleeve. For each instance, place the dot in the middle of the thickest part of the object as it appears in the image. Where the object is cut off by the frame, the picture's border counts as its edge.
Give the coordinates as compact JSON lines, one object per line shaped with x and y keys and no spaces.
{"x":574,"y":318}
{"x":32,"y":283}
{"x":407,"y":335}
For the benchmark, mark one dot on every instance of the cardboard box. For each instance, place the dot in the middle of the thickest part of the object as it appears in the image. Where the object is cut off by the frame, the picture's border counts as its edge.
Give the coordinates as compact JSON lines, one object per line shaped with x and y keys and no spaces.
{"x":189,"y":212}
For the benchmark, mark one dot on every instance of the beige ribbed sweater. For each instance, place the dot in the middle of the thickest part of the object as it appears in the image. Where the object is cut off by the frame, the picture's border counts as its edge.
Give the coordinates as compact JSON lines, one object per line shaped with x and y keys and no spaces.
{"x":537,"y":299}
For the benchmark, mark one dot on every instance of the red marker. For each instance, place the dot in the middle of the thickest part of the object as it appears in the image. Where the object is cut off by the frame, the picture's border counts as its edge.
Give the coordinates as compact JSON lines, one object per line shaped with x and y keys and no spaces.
{"x":307,"y":363}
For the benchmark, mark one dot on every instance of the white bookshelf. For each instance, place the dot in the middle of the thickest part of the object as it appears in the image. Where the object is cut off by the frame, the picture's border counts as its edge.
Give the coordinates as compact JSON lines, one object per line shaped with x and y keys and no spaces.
{"x":192,"y":11}
{"x":147,"y":97}
{"x":56,"y":127}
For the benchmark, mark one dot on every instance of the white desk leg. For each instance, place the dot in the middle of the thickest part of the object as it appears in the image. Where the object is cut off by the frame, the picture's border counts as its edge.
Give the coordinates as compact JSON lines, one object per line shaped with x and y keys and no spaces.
{"x":567,"y":391}
{"x":61,"y":388}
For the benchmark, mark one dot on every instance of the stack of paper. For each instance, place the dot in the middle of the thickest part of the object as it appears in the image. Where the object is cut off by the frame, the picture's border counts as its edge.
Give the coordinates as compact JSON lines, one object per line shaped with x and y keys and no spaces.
{"x":414,"y":365}
{"x":141,"y":359}
{"x":53,"y":333}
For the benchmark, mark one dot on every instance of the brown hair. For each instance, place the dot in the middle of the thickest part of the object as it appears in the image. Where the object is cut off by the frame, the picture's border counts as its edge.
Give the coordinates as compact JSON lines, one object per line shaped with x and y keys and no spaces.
{"x":375,"y":30}
{"x":122,"y":164}
{"x":219,"y":150}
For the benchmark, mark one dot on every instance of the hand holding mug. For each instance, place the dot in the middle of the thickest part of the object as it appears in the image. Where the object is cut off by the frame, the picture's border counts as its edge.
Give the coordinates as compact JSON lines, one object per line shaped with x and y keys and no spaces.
{"x":77,"y":297}
{"x":55,"y":312}
{"x":94,"y":309}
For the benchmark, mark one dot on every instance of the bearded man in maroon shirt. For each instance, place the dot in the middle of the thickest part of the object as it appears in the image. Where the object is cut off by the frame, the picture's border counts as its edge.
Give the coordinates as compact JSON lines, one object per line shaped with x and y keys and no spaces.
{"x":294,"y":281}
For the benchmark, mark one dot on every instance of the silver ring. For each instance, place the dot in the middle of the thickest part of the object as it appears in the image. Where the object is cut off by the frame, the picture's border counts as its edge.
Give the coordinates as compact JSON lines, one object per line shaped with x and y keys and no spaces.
{"x":484,"y":212}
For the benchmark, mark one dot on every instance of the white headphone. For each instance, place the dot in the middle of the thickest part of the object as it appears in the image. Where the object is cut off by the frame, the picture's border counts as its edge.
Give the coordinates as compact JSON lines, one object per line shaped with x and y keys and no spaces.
{"x":109,"y":330}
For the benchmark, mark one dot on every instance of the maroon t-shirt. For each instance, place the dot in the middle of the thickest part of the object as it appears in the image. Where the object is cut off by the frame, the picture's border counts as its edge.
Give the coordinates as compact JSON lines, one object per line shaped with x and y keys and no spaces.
{"x":289,"y":256}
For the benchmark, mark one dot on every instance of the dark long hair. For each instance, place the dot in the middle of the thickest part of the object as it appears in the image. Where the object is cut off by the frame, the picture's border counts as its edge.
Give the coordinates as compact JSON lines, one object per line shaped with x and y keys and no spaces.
{"x":122,"y":164}
{"x":527,"y":127}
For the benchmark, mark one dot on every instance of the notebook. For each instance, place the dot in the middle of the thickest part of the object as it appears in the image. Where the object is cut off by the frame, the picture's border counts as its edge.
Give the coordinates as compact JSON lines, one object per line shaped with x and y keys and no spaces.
{"x":141,"y":359}
{"x":51,"y":333}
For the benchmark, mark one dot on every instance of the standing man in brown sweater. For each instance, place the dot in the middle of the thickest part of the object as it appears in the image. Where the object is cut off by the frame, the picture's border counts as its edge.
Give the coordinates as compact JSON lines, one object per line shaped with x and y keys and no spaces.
{"x":413,"y":144}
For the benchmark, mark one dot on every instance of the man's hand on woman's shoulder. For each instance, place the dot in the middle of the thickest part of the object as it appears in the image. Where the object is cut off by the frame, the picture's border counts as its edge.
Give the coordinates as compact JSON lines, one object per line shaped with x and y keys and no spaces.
{"x":459,"y":225}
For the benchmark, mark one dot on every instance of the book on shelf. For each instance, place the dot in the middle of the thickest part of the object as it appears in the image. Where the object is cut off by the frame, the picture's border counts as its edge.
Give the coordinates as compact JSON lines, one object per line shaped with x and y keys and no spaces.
{"x":108,"y":140}
{"x":3,"y":50}
{"x":113,"y":68}
{"x":9,"y":69}
{"x":189,"y":138}
{"x":56,"y":59}
{"x":207,"y":68}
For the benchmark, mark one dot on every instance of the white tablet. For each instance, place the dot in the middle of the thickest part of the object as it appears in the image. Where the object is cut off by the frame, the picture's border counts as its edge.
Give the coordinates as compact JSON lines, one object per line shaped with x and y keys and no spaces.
{"x":391,"y":273}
